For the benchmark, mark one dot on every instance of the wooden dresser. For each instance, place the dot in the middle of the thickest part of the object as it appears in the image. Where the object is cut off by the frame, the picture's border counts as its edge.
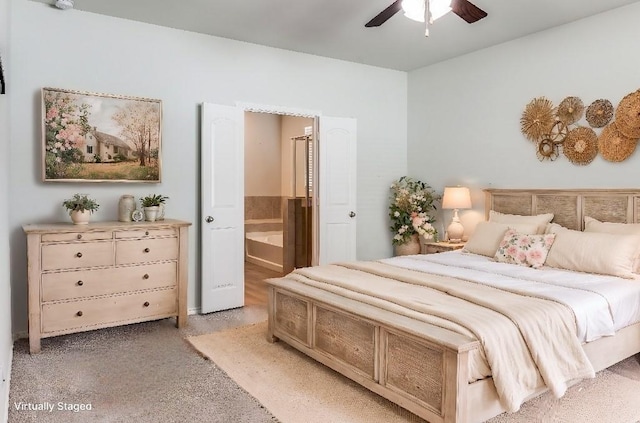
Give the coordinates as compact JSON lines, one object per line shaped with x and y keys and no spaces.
{"x":85,"y":277}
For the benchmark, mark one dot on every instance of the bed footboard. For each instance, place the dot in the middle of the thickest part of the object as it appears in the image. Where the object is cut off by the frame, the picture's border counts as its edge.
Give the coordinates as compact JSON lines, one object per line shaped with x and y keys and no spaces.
{"x":421,"y":367}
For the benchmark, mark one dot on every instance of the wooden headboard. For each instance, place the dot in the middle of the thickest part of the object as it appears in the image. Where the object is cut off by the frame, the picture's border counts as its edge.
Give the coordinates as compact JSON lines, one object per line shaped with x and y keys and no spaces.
{"x":569,"y":206}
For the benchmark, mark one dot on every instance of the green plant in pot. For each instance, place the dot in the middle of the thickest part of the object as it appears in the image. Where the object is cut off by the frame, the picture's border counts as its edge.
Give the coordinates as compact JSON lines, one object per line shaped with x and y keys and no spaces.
{"x":153,"y":205}
{"x":80,"y":208}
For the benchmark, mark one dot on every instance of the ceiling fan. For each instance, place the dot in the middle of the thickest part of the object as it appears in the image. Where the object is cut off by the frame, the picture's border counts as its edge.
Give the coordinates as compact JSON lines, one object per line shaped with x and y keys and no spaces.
{"x":463,"y":8}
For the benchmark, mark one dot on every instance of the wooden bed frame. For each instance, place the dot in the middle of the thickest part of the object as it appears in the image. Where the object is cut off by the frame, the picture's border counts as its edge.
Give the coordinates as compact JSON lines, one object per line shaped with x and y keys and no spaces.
{"x":419,"y":366}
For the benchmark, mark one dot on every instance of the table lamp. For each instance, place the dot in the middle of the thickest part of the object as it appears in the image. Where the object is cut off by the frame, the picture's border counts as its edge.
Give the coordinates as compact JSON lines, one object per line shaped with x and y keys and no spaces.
{"x":456,"y":198}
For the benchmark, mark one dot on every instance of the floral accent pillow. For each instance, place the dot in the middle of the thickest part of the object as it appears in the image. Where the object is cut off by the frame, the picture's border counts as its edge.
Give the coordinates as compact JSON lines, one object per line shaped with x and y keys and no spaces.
{"x":523,"y":249}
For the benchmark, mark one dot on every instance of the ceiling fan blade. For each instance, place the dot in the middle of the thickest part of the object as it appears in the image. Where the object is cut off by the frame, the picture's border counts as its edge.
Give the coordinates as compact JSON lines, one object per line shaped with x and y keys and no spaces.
{"x":383,"y":16}
{"x":467,"y":10}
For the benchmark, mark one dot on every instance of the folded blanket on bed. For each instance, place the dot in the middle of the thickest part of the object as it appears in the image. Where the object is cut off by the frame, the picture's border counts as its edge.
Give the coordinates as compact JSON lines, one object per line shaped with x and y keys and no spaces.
{"x":525,"y":339}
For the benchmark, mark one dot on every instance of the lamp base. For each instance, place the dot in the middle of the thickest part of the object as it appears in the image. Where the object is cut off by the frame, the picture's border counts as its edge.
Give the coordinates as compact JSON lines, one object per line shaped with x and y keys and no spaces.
{"x":455,"y":230}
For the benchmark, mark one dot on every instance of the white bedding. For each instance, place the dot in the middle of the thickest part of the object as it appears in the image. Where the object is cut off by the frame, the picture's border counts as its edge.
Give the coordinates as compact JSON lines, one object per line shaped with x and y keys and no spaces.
{"x":601,"y":304}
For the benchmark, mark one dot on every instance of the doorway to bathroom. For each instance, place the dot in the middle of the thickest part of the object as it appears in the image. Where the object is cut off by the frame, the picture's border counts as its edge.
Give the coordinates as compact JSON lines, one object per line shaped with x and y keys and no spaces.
{"x":278,"y":197}
{"x":222,"y":229}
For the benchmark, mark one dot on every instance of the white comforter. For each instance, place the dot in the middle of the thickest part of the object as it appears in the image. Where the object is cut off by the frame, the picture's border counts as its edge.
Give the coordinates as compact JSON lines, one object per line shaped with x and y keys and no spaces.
{"x":601,"y":304}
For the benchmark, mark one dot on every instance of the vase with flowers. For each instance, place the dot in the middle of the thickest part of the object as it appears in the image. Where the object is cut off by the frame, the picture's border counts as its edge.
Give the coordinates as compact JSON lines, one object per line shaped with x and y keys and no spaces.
{"x":411,"y":207}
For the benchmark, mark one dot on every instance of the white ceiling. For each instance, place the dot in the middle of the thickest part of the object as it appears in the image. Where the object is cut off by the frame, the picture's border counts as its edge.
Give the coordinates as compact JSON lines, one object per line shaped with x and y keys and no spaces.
{"x":335,"y":28}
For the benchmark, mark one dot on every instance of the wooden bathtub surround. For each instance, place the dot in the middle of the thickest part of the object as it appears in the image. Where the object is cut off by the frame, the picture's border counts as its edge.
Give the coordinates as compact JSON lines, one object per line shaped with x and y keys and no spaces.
{"x":421,"y":367}
{"x":104,"y":274}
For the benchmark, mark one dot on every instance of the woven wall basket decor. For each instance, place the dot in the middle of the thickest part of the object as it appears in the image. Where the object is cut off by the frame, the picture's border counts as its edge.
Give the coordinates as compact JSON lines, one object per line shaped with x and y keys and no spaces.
{"x":628,"y":114}
{"x":599,"y":113}
{"x":570,"y":110}
{"x":581,"y":145}
{"x":547,"y":150}
{"x":614,"y":146}
{"x":537,"y":119}
{"x":628,"y":131}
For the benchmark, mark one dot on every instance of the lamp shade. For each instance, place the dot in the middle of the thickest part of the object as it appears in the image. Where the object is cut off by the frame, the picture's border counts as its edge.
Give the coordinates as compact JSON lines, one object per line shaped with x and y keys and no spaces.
{"x":456,"y":198}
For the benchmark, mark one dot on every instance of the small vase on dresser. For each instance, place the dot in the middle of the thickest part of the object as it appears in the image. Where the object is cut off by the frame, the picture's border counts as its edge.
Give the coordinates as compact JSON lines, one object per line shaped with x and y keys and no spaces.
{"x":126,"y":206}
{"x":412,"y":246}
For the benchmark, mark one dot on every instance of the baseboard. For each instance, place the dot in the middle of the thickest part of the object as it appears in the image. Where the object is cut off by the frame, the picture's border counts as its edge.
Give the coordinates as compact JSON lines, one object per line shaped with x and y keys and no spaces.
{"x":195,"y":310}
{"x":4,"y":387}
{"x":20,"y":335}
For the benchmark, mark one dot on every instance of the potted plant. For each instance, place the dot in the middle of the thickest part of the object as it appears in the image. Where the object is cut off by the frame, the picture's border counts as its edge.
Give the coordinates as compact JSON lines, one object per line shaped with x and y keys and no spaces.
{"x":80,"y":207}
{"x":151,"y":205}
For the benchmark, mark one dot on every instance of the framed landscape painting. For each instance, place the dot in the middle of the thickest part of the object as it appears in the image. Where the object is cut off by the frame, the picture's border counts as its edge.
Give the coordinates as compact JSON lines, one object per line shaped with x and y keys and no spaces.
{"x":91,"y":137}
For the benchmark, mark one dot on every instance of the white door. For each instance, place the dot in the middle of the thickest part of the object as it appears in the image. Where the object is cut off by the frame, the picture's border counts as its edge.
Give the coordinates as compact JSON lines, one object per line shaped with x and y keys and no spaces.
{"x":222,"y":173}
{"x":337,"y":189}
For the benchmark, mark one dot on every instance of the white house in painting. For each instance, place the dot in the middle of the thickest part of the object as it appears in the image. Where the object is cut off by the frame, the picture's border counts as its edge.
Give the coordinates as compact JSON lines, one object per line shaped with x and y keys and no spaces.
{"x":105,"y":146}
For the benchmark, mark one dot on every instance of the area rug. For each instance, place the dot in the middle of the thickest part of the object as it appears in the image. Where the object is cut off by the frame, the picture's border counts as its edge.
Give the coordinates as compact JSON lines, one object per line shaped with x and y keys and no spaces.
{"x":295,"y":388}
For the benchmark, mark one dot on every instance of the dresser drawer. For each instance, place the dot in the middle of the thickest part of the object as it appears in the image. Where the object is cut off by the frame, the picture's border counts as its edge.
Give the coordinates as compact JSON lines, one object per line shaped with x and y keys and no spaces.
{"x":145,"y":233}
{"x":87,"y":283}
{"x":145,"y":250}
{"x":77,"y":236}
{"x":76,"y":255}
{"x":73,"y":315}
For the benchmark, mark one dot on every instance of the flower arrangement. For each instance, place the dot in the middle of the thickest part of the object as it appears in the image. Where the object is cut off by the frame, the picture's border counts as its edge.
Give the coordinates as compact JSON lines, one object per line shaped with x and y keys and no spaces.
{"x":411,"y":203}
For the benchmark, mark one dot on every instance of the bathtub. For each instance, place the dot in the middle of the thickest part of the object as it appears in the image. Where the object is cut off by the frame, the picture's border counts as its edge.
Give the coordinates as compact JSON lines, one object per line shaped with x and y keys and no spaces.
{"x":264,"y":249}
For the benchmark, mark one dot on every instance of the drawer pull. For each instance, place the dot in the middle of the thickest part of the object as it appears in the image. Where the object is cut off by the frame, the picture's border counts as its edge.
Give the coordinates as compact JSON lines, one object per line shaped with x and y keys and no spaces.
{"x":79,"y":236}
{"x":146,"y":304}
{"x":146,"y":276}
{"x":146,"y":232}
{"x":79,"y":314}
{"x":80,"y":283}
{"x":146,"y":250}
{"x":78,"y":255}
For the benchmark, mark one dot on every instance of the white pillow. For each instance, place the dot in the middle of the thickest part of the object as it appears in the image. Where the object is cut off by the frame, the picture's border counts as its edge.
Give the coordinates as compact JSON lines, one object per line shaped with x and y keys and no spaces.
{"x":540,"y":220}
{"x":487,"y":236}
{"x":593,"y":225}
{"x":593,"y":252}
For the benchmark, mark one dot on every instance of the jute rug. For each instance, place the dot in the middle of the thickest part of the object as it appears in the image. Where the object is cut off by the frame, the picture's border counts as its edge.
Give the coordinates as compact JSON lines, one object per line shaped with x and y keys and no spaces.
{"x":295,"y":388}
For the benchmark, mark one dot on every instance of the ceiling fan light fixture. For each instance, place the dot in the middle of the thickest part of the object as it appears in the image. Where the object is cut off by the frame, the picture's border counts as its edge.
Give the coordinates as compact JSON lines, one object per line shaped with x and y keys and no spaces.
{"x":439,"y":8}
{"x":414,"y":9}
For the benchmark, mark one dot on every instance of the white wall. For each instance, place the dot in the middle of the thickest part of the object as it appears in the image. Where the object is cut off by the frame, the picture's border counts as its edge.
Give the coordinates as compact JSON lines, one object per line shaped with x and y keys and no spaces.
{"x":464,"y":114}
{"x":6,"y":341}
{"x":83,"y":51}
{"x":262,"y":158}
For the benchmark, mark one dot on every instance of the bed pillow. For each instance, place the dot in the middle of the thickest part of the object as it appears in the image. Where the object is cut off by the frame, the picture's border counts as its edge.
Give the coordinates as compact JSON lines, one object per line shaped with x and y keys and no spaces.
{"x":594,"y":225}
{"x":487,"y":236}
{"x":594,"y":252}
{"x":540,"y":220}
{"x":524,"y":249}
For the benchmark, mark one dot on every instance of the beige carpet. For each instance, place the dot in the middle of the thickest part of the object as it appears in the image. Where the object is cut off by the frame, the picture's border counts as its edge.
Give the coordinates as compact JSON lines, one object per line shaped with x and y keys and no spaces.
{"x":294,"y":388}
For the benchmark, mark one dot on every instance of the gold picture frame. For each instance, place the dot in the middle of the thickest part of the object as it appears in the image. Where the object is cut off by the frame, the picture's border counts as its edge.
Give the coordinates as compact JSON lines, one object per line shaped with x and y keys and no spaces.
{"x":94,"y":137}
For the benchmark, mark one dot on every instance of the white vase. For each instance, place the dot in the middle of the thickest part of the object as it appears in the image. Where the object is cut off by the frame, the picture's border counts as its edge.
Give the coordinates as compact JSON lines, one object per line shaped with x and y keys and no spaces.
{"x":126,"y":206}
{"x":80,"y":217}
{"x":160,"y":212}
{"x":151,"y":213}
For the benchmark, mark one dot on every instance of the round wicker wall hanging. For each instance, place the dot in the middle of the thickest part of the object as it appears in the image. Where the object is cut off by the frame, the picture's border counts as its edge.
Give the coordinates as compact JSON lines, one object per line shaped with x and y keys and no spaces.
{"x":614,"y":146}
{"x":599,"y":113}
{"x":581,"y":145}
{"x":628,"y":131}
{"x":547,"y":150}
{"x":558,"y":132}
{"x":628,"y":115}
{"x":570,"y":110}
{"x":537,"y":119}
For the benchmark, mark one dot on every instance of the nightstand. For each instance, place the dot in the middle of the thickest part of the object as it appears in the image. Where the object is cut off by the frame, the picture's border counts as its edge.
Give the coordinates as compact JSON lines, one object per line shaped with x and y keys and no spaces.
{"x":440,"y":247}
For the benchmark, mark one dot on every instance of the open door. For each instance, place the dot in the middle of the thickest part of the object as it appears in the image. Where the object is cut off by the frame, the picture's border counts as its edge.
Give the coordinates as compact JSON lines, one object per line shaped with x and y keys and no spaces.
{"x":222,"y":173}
{"x":337,"y":189}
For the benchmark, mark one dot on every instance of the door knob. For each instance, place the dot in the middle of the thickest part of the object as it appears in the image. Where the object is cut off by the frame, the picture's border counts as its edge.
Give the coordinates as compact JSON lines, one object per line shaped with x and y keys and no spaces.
{"x":209,"y":219}
{"x":352,"y":214}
